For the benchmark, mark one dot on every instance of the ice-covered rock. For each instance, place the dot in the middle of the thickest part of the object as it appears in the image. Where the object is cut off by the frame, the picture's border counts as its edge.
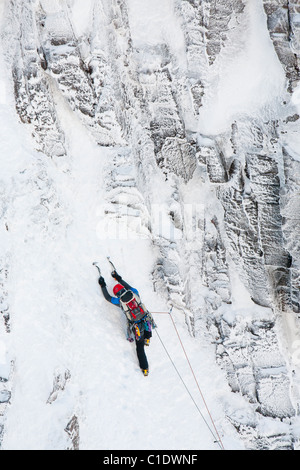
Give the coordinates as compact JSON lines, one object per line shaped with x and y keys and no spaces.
{"x":200,"y":164}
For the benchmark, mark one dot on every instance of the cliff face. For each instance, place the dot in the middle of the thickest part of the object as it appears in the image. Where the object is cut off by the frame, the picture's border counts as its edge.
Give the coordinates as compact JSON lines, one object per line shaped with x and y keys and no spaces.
{"x":184,"y":115}
{"x":283,"y":26}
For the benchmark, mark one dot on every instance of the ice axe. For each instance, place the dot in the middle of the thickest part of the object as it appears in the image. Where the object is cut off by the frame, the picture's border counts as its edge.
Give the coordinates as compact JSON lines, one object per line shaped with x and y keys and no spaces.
{"x":96,"y":264}
{"x":112,"y":265}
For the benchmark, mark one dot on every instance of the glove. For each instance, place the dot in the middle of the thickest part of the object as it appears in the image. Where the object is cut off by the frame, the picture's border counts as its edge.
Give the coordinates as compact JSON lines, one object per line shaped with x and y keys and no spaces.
{"x":116,"y":276}
{"x":101,"y":281}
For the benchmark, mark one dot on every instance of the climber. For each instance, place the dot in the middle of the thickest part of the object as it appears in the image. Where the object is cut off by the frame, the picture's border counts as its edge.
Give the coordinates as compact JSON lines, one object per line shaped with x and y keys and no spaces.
{"x":140,"y":321}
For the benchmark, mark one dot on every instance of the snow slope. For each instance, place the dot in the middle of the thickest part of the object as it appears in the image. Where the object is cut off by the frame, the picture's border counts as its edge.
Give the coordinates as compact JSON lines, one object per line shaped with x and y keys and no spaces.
{"x":66,"y":358}
{"x":247,"y":77}
{"x":61,"y":323}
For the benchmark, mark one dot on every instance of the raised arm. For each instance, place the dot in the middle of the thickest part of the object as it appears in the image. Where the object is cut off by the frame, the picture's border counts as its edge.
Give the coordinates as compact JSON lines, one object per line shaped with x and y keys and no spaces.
{"x":119,"y":278}
{"x":107,"y":296}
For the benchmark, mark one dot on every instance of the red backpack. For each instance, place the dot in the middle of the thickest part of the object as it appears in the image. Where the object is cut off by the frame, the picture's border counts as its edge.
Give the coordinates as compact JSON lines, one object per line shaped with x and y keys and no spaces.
{"x":131,"y":304}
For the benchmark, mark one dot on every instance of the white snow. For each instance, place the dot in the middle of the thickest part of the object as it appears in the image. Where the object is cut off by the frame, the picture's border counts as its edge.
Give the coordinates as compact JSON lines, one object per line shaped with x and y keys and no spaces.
{"x":247,"y":76}
{"x":82,"y":17}
{"x":59,"y":319}
{"x":153,"y":22}
{"x":292,"y":137}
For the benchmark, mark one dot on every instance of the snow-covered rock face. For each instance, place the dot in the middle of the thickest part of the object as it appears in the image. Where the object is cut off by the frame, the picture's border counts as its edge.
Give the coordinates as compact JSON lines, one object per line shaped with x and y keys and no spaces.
{"x":284,"y":26}
{"x":181,"y":119}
